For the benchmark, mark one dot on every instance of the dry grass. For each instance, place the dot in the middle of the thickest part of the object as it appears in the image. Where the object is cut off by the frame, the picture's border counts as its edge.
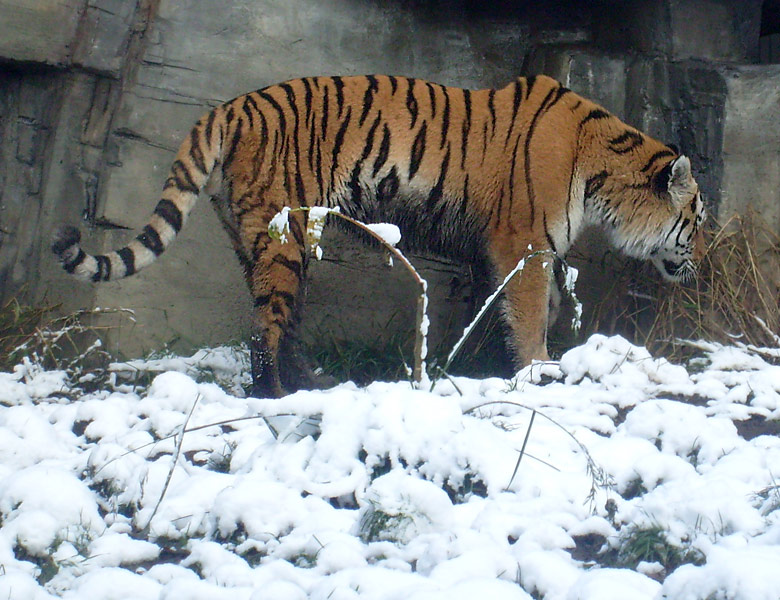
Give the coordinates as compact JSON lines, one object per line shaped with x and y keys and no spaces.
{"x":734,"y":298}
{"x":33,"y":334}
{"x":19,"y":325}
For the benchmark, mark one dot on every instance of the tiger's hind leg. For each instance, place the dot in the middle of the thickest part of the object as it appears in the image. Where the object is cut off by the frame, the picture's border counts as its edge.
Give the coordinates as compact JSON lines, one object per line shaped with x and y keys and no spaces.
{"x":275,"y":282}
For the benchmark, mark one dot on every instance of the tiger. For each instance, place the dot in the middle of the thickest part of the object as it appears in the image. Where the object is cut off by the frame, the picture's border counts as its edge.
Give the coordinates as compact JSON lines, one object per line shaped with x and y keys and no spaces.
{"x":494,"y":174}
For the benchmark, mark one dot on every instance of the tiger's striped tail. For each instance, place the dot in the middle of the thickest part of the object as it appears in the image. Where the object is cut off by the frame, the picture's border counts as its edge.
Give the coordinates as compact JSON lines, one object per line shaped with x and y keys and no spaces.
{"x":195,"y":160}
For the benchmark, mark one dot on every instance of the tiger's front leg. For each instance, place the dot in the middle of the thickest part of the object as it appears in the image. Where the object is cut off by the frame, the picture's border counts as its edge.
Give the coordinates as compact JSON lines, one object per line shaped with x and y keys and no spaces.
{"x":526,"y":307}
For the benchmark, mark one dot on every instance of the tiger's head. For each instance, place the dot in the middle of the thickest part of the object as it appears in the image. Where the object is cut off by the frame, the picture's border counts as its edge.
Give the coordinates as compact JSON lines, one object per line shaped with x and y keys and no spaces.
{"x":680,"y":244}
{"x":655,"y":216}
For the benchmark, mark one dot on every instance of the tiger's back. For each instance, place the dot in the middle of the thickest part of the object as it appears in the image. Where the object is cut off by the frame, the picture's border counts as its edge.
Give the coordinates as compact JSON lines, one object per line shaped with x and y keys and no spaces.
{"x":486,"y":173}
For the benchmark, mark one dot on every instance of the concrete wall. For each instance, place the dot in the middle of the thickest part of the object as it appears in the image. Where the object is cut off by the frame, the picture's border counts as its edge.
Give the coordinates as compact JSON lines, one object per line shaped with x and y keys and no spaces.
{"x":95,"y":96}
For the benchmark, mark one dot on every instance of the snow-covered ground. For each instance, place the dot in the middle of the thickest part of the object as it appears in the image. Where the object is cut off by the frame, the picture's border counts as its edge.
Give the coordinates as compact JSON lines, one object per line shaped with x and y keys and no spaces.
{"x":634,"y":484}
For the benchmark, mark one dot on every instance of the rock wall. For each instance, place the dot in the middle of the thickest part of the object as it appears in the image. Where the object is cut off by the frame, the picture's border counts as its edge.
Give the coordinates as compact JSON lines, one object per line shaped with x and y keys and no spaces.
{"x":95,"y":96}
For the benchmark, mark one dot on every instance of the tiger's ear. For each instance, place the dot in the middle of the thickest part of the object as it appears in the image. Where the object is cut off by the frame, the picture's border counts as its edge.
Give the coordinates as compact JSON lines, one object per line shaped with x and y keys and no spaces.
{"x":675,"y":176}
{"x":680,"y":176}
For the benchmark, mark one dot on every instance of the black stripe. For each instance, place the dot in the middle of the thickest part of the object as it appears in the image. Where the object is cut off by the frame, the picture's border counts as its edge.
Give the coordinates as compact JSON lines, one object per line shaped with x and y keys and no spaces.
{"x":631,"y":139}
{"x":384,"y":151}
{"x":560,"y":93}
{"x":247,"y":108}
{"x":595,"y":183}
{"x":262,"y":300}
{"x":492,"y":109}
{"x":411,"y":102}
{"x":278,"y":108}
{"x":263,"y":238}
{"x":292,"y":265}
{"x":292,"y":101}
{"x":258,"y":155}
{"x":568,"y":201}
{"x":180,"y":178}
{"x":549,"y":100}
{"x":71,"y":266}
{"x":151,"y":240}
{"x":547,"y":233}
{"x":438,"y":190}
{"x":466,"y":128}
{"x":338,"y":142}
{"x":324,"y":120}
{"x":196,"y":153}
{"x":418,"y":149}
{"x":393,"y":84}
{"x":170,"y":214}
{"x":307,"y":98}
{"x":530,"y":82}
{"x":368,"y":98}
{"x":339,"y":85}
{"x":287,"y":172}
{"x":512,"y":180}
{"x":233,"y":146}
{"x":370,"y":137}
{"x":310,"y":147}
{"x":289,"y":299}
{"x":445,"y":125}
{"x":516,"y":98}
{"x":432,"y":98}
{"x":103,"y":272}
{"x":210,"y":127}
{"x":300,"y":189}
{"x":464,"y":201}
{"x":388,"y":187}
{"x":295,"y":229}
{"x":498,"y":207}
{"x":655,"y":157}
{"x":318,"y":172}
{"x":595,"y":114}
{"x":128,"y":258}
{"x":252,"y":102}
{"x":230,"y":115}
{"x":354,"y":184}
{"x":679,"y":231}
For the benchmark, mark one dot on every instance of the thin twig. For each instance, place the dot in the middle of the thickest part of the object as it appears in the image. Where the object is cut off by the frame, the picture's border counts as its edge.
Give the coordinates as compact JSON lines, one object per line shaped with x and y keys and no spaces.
{"x":522,"y":450}
{"x":485,"y":306}
{"x":175,"y":460}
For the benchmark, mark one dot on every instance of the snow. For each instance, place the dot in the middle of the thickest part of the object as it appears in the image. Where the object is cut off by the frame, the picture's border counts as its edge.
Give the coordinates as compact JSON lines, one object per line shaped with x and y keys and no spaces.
{"x":387,"y":231}
{"x":279,"y":225}
{"x":401,"y":493}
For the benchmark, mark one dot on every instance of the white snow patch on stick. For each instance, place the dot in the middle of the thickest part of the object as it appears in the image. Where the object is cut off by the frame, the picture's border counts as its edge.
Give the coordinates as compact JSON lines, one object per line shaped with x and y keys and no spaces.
{"x":279,"y":226}
{"x":387,"y":231}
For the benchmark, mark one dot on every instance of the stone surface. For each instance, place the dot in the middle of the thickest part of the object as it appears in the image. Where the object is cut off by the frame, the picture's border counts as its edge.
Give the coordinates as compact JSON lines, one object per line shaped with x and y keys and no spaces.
{"x":751,"y":142}
{"x":751,"y":157}
{"x":712,"y":30}
{"x":40,"y":31}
